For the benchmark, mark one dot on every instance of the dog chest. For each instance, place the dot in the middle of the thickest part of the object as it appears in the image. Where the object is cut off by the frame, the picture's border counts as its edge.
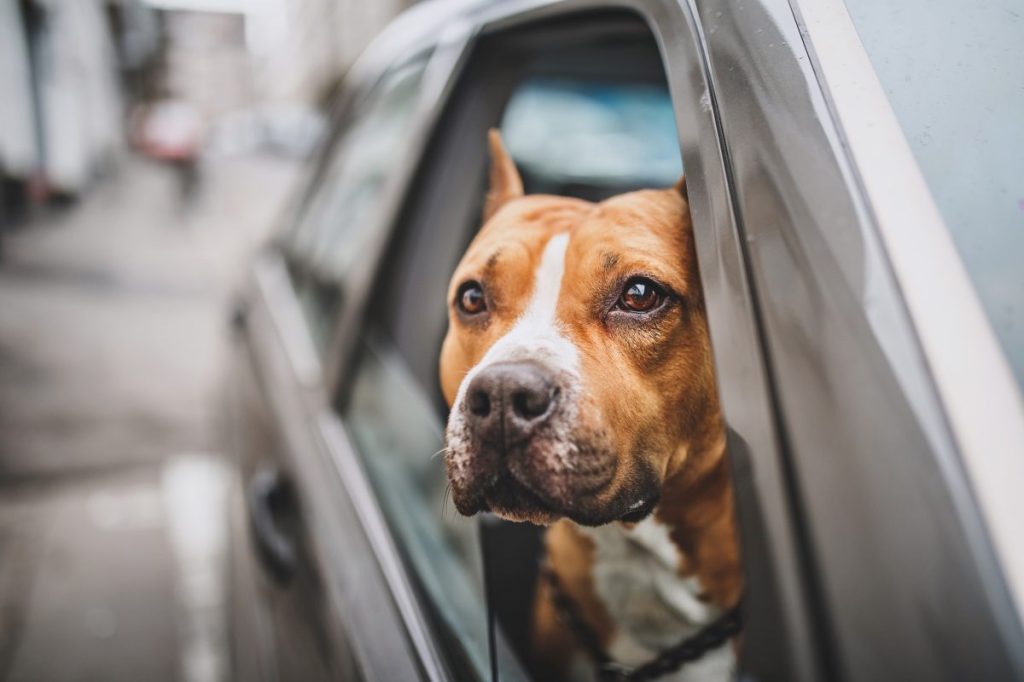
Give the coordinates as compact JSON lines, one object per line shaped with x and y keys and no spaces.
{"x":636,"y":576}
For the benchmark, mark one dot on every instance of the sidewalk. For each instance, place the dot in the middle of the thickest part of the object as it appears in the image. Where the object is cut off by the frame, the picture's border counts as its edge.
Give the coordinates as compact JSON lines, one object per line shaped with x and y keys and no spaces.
{"x":113,"y":324}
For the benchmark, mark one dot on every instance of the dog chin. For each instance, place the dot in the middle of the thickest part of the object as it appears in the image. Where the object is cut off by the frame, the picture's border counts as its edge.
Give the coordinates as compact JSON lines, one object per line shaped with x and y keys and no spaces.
{"x":514,"y":501}
{"x":582,"y":516}
{"x":533,"y":483}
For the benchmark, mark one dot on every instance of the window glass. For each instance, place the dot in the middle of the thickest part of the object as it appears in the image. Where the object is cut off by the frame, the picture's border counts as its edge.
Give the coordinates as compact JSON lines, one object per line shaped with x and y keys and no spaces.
{"x":953,"y":73}
{"x":345,"y":210}
{"x":396,"y":428}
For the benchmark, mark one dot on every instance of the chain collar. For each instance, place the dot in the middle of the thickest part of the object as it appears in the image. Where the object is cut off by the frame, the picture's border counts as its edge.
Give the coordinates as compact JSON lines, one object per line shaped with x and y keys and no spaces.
{"x":711,"y":636}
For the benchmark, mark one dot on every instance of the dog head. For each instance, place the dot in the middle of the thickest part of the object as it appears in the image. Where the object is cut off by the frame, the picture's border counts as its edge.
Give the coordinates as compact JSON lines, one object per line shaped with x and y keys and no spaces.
{"x":577,"y":363}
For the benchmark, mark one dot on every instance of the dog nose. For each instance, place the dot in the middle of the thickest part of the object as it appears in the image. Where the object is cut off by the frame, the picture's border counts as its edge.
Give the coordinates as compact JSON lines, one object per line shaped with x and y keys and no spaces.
{"x":508,"y":400}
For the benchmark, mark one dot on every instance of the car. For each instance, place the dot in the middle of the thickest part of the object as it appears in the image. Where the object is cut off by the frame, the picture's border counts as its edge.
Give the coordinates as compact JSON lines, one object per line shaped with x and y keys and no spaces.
{"x":851,"y":189}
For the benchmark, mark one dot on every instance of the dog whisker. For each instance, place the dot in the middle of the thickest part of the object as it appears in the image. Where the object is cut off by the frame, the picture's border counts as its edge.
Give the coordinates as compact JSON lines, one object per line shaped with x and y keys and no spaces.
{"x":444,"y":501}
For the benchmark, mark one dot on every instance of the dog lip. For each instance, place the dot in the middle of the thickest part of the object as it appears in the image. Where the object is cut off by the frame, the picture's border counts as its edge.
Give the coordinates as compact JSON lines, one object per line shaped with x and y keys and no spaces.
{"x":469,"y":507}
{"x":508,"y":484}
{"x":518,"y":482}
{"x":561,"y":489}
{"x":511,"y":497}
{"x":638,"y":511}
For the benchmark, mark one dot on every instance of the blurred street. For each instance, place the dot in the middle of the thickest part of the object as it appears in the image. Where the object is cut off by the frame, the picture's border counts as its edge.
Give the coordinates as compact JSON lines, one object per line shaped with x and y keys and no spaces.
{"x":113,"y":328}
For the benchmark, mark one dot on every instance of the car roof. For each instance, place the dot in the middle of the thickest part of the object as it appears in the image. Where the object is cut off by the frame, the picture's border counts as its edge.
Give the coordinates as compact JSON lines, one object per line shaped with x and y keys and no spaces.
{"x":419,"y":28}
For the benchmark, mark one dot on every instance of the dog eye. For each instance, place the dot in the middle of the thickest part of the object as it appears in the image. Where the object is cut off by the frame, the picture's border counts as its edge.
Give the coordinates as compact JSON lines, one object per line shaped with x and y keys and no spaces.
{"x":470,"y":298}
{"x":640,"y":295}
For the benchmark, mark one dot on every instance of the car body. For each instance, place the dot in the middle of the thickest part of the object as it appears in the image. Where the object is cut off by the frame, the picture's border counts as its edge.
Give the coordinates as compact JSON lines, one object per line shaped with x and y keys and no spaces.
{"x":875,"y":424}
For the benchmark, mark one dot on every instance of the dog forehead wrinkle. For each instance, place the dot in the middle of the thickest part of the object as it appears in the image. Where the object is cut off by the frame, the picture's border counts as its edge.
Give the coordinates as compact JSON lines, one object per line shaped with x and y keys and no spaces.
{"x":492,"y":260}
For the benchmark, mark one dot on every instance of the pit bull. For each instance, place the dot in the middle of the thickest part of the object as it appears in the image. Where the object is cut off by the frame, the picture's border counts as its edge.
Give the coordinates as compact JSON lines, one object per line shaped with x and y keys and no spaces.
{"x":578,"y":369}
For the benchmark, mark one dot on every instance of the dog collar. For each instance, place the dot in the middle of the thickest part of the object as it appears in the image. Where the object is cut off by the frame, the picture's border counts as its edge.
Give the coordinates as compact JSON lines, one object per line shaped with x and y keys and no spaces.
{"x":690,"y":649}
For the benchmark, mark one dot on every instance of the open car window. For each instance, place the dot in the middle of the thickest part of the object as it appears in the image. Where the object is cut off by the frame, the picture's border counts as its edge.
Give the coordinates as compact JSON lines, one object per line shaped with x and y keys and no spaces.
{"x":392,"y":405}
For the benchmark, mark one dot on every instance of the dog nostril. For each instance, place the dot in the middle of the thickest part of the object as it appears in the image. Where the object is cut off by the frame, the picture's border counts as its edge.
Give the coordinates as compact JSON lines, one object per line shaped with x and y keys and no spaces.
{"x":531,"y":403}
{"x":479,"y":403}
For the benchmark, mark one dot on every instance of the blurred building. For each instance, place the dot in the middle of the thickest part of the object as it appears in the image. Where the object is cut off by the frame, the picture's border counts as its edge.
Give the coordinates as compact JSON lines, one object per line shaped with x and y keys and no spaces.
{"x":60,"y":102}
{"x":259,"y":73}
{"x":302,"y":47}
{"x":18,"y":156}
{"x":78,"y":77}
{"x":298,"y":49}
{"x":206,"y":61}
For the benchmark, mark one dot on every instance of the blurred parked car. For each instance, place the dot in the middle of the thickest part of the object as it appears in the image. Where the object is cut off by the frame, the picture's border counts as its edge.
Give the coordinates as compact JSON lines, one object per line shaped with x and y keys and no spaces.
{"x":865,"y":318}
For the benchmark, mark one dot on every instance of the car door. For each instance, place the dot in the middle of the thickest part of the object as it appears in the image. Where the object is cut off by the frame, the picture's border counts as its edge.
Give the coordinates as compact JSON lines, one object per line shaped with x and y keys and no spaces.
{"x":901,"y":573}
{"x":310,"y":599}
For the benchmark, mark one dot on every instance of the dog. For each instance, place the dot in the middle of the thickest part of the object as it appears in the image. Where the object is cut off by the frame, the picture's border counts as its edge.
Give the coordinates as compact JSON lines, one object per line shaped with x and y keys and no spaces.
{"x":579,"y":375}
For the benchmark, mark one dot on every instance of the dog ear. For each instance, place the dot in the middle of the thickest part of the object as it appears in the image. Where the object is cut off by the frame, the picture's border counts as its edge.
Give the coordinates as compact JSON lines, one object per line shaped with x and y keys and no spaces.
{"x":505,"y":181}
{"x":680,"y":187}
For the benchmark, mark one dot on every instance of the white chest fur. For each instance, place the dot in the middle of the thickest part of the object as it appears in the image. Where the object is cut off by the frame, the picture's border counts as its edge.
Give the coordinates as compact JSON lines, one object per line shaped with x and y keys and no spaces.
{"x":636,"y":575}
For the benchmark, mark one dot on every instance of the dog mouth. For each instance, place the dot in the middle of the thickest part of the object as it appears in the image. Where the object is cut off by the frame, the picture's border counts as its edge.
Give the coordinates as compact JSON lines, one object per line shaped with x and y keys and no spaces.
{"x":510,"y":495}
{"x":513,"y":494}
{"x":547,"y":476}
{"x":500,"y":489}
{"x":517,"y":501}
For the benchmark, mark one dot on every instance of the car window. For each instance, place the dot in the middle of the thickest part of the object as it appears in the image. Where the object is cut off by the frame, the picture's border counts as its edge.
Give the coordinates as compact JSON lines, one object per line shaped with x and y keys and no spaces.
{"x":954,"y":78}
{"x":393,"y":406}
{"x":345,"y":209}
